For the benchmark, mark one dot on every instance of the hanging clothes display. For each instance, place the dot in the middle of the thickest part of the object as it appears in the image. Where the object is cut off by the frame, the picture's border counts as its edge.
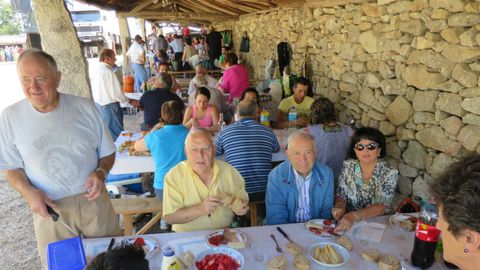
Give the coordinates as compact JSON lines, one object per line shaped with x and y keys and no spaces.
{"x":283,"y":56}
{"x":245,"y":43}
{"x":227,"y":38}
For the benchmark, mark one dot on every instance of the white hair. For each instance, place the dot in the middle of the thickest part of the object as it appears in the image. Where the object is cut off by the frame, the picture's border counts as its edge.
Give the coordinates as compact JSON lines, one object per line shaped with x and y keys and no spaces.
{"x":301,"y":134}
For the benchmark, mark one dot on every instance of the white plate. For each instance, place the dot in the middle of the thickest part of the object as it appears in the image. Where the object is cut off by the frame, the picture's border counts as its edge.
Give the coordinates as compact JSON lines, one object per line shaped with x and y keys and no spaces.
{"x":222,"y":250}
{"x":151,"y":245}
{"x":319,"y":222}
{"x":239,"y":237}
{"x":396,"y":219}
{"x":341,"y":250}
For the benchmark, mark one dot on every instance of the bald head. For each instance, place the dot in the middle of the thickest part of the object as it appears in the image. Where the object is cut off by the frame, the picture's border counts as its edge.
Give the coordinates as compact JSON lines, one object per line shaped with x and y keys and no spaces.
{"x":38,"y":54}
{"x":196,"y":133}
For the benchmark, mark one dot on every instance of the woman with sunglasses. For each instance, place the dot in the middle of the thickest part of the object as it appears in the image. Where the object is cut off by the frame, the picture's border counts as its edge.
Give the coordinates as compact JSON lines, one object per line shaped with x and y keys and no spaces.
{"x":367,"y":183}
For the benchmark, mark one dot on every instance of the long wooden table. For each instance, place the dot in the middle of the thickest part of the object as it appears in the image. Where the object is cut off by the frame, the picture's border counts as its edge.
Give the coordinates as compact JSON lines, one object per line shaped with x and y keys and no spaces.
{"x":393,"y":242}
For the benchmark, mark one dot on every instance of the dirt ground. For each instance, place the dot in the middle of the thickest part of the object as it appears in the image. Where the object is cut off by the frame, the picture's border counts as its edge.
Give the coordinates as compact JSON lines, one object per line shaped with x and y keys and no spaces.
{"x":18,"y":247}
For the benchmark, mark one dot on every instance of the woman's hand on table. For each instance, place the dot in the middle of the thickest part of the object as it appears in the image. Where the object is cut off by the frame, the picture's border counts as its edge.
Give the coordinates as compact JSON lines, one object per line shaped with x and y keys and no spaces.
{"x":338,"y":213}
{"x":347,"y":222}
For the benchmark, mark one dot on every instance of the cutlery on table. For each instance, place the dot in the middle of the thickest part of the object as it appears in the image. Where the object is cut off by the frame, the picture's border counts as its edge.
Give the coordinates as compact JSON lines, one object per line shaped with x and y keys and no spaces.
{"x":285,"y":235}
{"x":278,"y":248}
{"x":110,"y":246}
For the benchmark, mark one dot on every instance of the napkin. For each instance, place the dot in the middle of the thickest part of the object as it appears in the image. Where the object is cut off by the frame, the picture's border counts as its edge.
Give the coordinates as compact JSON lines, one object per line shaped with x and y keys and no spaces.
{"x":193,"y":244}
{"x":370,"y":231}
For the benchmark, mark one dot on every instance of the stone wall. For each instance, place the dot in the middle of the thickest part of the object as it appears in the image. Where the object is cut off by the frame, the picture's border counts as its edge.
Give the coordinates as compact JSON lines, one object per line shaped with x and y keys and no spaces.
{"x":409,"y":68}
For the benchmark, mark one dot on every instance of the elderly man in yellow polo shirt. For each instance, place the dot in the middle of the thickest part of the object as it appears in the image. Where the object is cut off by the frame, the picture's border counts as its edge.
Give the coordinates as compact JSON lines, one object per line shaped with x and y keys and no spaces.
{"x":197,"y":190}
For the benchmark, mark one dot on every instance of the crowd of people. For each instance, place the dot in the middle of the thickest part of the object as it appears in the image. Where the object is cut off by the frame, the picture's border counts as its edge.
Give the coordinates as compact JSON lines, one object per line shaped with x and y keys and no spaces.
{"x":10,"y":53}
{"x":331,"y":171}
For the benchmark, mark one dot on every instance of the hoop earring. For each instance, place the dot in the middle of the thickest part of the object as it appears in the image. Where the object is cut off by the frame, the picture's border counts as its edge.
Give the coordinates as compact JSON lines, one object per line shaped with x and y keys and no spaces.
{"x":465,"y":250}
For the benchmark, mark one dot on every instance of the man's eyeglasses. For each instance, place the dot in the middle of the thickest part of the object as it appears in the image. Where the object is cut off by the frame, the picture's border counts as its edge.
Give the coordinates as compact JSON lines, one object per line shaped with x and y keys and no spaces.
{"x":370,"y":146}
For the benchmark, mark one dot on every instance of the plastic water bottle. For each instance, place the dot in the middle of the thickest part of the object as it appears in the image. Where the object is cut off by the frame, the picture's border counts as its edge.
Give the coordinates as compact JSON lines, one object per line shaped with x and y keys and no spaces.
{"x":265,"y":118}
{"x":170,"y":261}
{"x":292,"y":118}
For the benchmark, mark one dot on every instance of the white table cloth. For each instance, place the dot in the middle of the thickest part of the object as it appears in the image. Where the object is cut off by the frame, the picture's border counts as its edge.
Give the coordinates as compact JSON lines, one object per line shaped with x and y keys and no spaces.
{"x":393,"y":242}
{"x":138,"y":164}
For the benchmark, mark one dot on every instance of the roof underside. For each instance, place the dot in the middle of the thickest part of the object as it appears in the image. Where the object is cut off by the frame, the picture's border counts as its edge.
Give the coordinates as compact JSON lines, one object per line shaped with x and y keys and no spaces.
{"x":191,"y":11}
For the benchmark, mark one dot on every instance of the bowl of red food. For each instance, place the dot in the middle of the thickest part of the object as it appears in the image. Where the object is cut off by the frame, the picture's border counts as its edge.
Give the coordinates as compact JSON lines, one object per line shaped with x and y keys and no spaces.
{"x":219,"y":258}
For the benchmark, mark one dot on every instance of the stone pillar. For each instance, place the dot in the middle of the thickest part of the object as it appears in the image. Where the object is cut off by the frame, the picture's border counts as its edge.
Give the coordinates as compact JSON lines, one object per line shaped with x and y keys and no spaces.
{"x":144,"y":35}
{"x":59,"y":38}
{"x":124,"y":40}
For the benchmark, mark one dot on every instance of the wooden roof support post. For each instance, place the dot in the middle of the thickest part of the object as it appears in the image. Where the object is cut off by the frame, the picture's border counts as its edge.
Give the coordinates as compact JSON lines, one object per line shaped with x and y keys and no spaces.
{"x":124,"y":36}
{"x":142,"y":23}
{"x":59,"y":38}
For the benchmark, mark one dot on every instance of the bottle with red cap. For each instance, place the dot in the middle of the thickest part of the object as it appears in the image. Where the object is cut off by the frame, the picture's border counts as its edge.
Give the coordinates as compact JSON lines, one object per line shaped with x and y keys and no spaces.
{"x":426,"y":238}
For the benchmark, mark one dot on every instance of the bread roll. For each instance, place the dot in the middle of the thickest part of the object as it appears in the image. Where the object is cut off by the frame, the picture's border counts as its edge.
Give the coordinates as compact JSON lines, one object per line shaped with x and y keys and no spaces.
{"x":345,"y":242}
{"x":294,"y":248}
{"x":277,"y":263}
{"x":301,"y":262}
{"x":186,"y":259}
{"x":389,"y":262}
{"x":371,"y":255}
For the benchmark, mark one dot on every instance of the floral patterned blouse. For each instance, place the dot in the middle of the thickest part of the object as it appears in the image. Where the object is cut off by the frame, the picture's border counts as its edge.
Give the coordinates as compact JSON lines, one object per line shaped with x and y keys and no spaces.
{"x":358,"y":194}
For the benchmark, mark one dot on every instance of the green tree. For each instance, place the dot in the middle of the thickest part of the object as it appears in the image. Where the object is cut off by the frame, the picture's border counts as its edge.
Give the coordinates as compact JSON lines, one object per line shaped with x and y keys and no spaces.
{"x":9,"y":25}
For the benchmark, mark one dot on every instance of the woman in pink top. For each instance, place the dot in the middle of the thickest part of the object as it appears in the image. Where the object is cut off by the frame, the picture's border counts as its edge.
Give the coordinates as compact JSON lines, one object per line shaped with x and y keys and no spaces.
{"x":235,"y":77}
{"x":202,"y":114}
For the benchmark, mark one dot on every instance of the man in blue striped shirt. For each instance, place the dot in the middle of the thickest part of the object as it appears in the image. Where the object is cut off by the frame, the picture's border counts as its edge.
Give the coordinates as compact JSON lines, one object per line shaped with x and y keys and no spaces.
{"x":299,"y":189}
{"x":248,"y":146}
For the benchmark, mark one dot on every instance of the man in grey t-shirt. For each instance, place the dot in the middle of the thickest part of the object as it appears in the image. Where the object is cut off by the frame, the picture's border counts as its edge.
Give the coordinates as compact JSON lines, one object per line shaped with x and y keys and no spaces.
{"x":55,"y":151}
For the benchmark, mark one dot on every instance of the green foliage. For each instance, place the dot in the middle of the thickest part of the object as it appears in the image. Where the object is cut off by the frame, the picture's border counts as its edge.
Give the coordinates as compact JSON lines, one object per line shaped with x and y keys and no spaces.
{"x":9,"y":25}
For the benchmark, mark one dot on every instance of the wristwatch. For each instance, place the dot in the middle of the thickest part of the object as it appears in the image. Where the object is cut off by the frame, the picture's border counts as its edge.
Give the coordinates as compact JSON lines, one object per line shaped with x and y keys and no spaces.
{"x":105,"y":173}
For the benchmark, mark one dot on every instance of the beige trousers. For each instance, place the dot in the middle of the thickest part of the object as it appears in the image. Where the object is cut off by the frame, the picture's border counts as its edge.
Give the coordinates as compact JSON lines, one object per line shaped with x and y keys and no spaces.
{"x":88,"y":218}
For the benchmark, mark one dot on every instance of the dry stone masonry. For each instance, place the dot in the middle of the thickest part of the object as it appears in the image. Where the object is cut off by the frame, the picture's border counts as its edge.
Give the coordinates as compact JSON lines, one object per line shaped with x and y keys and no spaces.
{"x":409,"y":68}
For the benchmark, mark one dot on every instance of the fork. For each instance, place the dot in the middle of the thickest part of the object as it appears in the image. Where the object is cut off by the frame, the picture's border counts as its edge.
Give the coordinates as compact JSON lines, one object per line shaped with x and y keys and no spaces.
{"x":278,"y":248}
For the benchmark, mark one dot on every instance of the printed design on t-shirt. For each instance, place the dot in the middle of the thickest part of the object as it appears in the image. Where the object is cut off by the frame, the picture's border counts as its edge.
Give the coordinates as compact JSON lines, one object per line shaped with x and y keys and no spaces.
{"x":61,"y":157}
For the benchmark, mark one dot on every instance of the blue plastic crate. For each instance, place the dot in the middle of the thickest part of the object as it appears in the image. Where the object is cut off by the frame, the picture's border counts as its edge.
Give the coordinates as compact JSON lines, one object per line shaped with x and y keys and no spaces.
{"x":66,"y":254}
{"x":131,"y":181}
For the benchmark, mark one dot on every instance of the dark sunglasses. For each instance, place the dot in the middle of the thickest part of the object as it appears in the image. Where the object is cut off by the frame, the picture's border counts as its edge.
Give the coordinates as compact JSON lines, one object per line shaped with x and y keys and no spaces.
{"x":370,"y":146}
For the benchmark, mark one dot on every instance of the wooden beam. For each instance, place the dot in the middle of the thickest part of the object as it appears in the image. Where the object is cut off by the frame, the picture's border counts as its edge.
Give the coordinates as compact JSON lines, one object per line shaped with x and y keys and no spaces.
{"x":176,"y":15}
{"x":195,"y":6}
{"x":216,"y":7}
{"x":143,"y":4}
{"x":237,"y":6}
{"x":333,"y":3}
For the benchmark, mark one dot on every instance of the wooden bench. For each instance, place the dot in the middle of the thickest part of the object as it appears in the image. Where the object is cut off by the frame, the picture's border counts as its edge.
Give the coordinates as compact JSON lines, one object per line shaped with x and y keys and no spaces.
{"x":135,"y":206}
{"x":184,"y":73}
{"x":253,"y":212}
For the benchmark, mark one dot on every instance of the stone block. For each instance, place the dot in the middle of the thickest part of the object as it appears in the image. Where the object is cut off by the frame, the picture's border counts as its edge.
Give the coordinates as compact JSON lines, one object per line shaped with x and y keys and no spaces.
{"x":450,"y":35}
{"x":439,"y":14}
{"x":373,"y":10}
{"x":421,"y":189}
{"x":424,"y":118}
{"x":436,"y":26}
{"x":461,"y":54}
{"x":472,"y":105}
{"x":405,"y":133}
{"x":425,"y":101}
{"x":385,"y":2}
{"x":450,"y":103}
{"x":450,"y":5}
{"x":372,"y":81}
{"x":370,"y":41}
{"x":420,"y":77}
{"x":376,"y":116}
{"x":387,"y":128}
{"x":439,"y":164}
{"x":399,"y":111}
{"x":393,"y":87}
{"x":469,"y":137}
{"x":404,"y":185}
{"x":414,"y":27}
{"x":421,"y":43}
{"x":451,"y":125}
{"x":463,"y":20}
{"x":464,"y":75}
{"x":399,"y":7}
{"x":407,"y":170}
{"x":434,"y":137}
{"x":467,"y":38}
{"x":471,"y":119}
{"x":449,"y":86}
{"x":415,"y":155}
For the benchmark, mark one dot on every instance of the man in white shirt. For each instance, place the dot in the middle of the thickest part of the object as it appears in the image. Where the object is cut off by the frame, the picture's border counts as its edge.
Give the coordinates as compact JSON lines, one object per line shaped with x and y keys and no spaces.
{"x":201,"y":73}
{"x":107,"y":93}
{"x":177,"y":47}
{"x":137,"y":58}
{"x":57,"y":152}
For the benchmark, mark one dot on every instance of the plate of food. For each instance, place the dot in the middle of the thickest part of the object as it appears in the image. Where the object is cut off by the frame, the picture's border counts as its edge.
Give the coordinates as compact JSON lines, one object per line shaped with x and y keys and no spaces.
{"x":219,"y":258}
{"x":404,"y":221}
{"x":227,"y":237}
{"x":321,"y":227}
{"x":329,"y":254}
{"x":149,"y":245}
